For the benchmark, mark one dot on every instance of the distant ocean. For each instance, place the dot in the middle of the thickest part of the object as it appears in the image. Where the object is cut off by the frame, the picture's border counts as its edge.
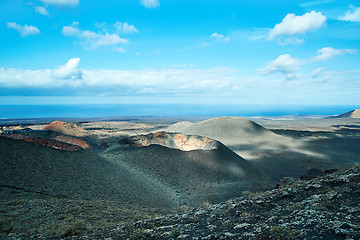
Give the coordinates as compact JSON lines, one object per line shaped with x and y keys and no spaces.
{"x":121,"y":110}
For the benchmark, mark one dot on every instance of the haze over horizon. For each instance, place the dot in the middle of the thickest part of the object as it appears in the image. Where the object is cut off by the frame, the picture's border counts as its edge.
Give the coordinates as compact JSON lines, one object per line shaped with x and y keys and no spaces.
{"x":171,"y":51}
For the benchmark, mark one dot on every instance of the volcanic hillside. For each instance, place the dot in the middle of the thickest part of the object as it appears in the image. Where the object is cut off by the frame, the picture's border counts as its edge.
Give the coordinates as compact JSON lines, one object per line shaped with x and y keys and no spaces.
{"x":276,"y":155}
{"x":351,"y":114}
{"x":158,"y":170}
{"x":235,"y":132}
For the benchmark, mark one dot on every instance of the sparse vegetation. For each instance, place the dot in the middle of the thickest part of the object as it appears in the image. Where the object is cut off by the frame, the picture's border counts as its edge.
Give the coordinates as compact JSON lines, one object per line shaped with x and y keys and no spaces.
{"x":284,"y":233}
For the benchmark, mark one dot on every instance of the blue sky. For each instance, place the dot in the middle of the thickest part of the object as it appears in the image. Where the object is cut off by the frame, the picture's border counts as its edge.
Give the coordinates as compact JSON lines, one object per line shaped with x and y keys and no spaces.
{"x":180,"y":51}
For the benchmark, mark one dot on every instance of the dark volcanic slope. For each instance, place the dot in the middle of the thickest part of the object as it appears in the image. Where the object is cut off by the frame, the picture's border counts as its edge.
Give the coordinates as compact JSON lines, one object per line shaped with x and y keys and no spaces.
{"x":189,"y":177}
{"x":154,"y":176}
{"x":37,"y":171}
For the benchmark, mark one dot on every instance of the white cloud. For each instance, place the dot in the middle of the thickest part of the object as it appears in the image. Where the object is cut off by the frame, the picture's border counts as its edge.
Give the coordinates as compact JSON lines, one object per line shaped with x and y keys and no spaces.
{"x":165,"y":81}
{"x":97,"y":40}
{"x":256,"y":37}
{"x":284,"y":64}
{"x":125,"y":28}
{"x":71,"y":31}
{"x":292,"y":41}
{"x":213,"y":85}
{"x":314,"y":3}
{"x":69,"y":70}
{"x":220,"y":37}
{"x":293,"y":25}
{"x":42,"y":10}
{"x":290,"y":66}
{"x":150,"y":3}
{"x":318,"y":72}
{"x":23,"y":30}
{"x":93,"y":40}
{"x":66,"y":3}
{"x":66,"y":75}
{"x":352,"y":15}
{"x":327,"y":53}
{"x":202,"y":45}
{"x":119,"y":49}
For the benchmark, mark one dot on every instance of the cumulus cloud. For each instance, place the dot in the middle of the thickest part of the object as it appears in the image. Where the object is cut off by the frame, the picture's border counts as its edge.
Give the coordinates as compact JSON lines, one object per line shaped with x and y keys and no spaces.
{"x":284,"y":64}
{"x":327,"y":53}
{"x":352,"y":15}
{"x":220,"y":37}
{"x":93,"y":40}
{"x":23,"y":30}
{"x":150,"y":3}
{"x":65,"y":3}
{"x":41,"y":10}
{"x":294,"y":25}
{"x":125,"y":28}
{"x":68,"y":71}
{"x":71,"y":31}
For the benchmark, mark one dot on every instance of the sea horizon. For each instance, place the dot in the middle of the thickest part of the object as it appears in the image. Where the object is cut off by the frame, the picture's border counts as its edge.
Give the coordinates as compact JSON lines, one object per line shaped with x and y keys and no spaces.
{"x":8,"y":112}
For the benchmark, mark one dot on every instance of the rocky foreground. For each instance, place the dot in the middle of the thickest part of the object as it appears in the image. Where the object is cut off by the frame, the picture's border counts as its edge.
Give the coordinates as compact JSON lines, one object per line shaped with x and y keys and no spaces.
{"x":325,"y":207}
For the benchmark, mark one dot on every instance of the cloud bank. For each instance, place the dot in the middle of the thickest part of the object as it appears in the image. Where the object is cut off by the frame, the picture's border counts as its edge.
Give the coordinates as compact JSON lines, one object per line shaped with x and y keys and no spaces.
{"x":211,"y":85}
{"x":165,"y":81}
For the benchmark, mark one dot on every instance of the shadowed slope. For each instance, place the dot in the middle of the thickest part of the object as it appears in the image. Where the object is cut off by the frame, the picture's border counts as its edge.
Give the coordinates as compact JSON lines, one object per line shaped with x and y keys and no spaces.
{"x":192,"y":176}
{"x":155,"y":176}
{"x":351,"y":114}
{"x":235,"y":132}
{"x":276,"y":155}
{"x":37,"y":171}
